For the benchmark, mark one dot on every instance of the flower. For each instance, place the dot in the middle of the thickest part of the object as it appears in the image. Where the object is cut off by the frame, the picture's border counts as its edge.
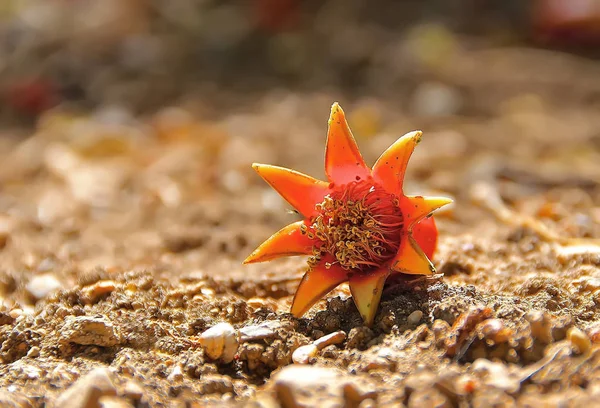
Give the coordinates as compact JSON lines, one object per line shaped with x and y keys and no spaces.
{"x":358,"y":227}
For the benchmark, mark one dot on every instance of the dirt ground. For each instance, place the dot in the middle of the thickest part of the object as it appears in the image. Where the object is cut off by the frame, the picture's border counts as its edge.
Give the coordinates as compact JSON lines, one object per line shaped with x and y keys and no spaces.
{"x":122,"y":240}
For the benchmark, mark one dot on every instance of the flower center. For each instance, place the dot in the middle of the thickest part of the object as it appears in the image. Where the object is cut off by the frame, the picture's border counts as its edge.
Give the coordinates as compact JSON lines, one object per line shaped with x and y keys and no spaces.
{"x":358,"y":226}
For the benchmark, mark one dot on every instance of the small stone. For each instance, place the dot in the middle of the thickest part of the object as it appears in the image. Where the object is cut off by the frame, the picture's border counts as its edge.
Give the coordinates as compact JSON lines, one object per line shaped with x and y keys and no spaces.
{"x":332,"y":338}
{"x":424,"y":379}
{"x":265,"y":330}
{"x":176,"y":375}
{"x":87,"y":391}
{"x":304,"y":354}
{"x":379,"y":363}
{"x":541,"y":327}
{"x":496,"y":375}
{"x":42,"y":285}
{"x":33,"y":352}
{"x":133,"y":390}
{"x":15,"y":313}
{"x":302,"y":385}
{"x":256,"y":302}
{"x":220,"y":342}
{"x":415,"y":317}
{"x":114,"y":402}
{"x":90,"y":330}
{"x":495,"y":330}
{"x":580,"y":341}
{"x":93,"y":293}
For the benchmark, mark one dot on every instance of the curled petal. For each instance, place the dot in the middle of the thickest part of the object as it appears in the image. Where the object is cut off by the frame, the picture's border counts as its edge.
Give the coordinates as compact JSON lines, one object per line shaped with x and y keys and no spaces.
{"x":315,"y":284}
{"x":366,"y":292}
{"x":389,"y":169}
{"x":426,"y":234}
{"x":411,"y":259}
{"x":300,"y":190}
{"x":288,"y":241}
{"x":343,"y":161}
{"x":415,"y":208}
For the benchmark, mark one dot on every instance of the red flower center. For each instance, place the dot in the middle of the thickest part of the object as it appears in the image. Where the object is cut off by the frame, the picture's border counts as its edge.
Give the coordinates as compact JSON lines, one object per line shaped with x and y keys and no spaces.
{"x":358,"y":226}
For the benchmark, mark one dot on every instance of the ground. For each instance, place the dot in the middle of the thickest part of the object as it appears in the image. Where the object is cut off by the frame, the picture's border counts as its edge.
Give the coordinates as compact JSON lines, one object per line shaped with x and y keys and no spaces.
{"x":122,"y":240}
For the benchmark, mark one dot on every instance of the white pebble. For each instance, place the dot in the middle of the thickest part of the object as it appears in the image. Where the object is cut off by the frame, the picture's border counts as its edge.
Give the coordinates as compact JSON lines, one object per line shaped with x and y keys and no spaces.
{"x":415,"y":317}
{"x":176,"y":374}
{"x":42,"y":285}
{"x":303,"y":354}
{"x":220,"y":342}
{"x":332,"y":338}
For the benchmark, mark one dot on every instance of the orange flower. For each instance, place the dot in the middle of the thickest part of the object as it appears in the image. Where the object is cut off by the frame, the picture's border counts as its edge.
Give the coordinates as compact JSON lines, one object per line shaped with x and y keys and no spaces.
{"x":358,"y":227}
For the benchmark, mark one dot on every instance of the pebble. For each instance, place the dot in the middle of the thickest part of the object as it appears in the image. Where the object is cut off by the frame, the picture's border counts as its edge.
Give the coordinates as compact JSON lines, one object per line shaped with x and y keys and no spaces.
{"x":90,"y":330}
{"x":220,"y":342}
{"x":415,"y":317}
{"x":41,"y":286}
{"x":304,"y":354}
{"x":541,"y":327}
{"x":114,"y":402}
{"x":133,"y":390}
{"x":33,"y":352}
{"x":265,"y":330}
{"x":496,"y":375}
{"x":495,"y":330}
{"x":92,"y":293}
{"x":14,"y":313}
{"x":329,"y":339}
{"x":420,"y":380}
{"x":87,"y":391}
{"x":579,"y":340}
{"x":176,"y":375}
{"x":302,"y":385}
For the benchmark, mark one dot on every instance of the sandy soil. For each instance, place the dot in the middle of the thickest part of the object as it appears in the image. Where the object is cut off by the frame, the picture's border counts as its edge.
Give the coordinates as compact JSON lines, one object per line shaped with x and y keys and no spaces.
{"x":122,"y":240}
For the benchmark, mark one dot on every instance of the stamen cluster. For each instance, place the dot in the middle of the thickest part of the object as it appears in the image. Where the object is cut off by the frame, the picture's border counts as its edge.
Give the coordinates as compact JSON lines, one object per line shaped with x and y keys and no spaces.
{"x":358,"y":225}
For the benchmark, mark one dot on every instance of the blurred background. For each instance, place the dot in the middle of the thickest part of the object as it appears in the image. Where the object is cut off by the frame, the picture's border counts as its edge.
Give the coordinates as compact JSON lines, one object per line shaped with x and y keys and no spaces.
{"x":128,"y":127}
{"x":143,"y":54}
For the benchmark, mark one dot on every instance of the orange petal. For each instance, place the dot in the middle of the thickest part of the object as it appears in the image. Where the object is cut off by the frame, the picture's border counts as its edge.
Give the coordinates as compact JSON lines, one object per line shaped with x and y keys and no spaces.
{"x":288,"y":241}
{"x":366,"y":292}
{"x":315,"y":284}
{"x":389,"y":169}
{"x":343,"y":161}
{"x":301,"y":191}
{"x":415,"y":208}
{"x":411,"y":259}
{"x":426,"y":234}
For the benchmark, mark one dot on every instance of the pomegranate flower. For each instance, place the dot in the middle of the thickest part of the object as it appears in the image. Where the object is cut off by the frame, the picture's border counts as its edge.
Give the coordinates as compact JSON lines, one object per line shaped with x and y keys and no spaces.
{"x":358,"y":227}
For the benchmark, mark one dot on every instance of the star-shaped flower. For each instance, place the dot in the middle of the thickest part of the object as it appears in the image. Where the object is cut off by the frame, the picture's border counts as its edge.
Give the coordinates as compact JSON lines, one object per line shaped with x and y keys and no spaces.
{"x":358,"y":227}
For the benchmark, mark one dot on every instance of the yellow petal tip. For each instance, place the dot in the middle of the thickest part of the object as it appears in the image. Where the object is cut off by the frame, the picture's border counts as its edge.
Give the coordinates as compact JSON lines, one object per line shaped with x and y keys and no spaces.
{"x":336,"y":109}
